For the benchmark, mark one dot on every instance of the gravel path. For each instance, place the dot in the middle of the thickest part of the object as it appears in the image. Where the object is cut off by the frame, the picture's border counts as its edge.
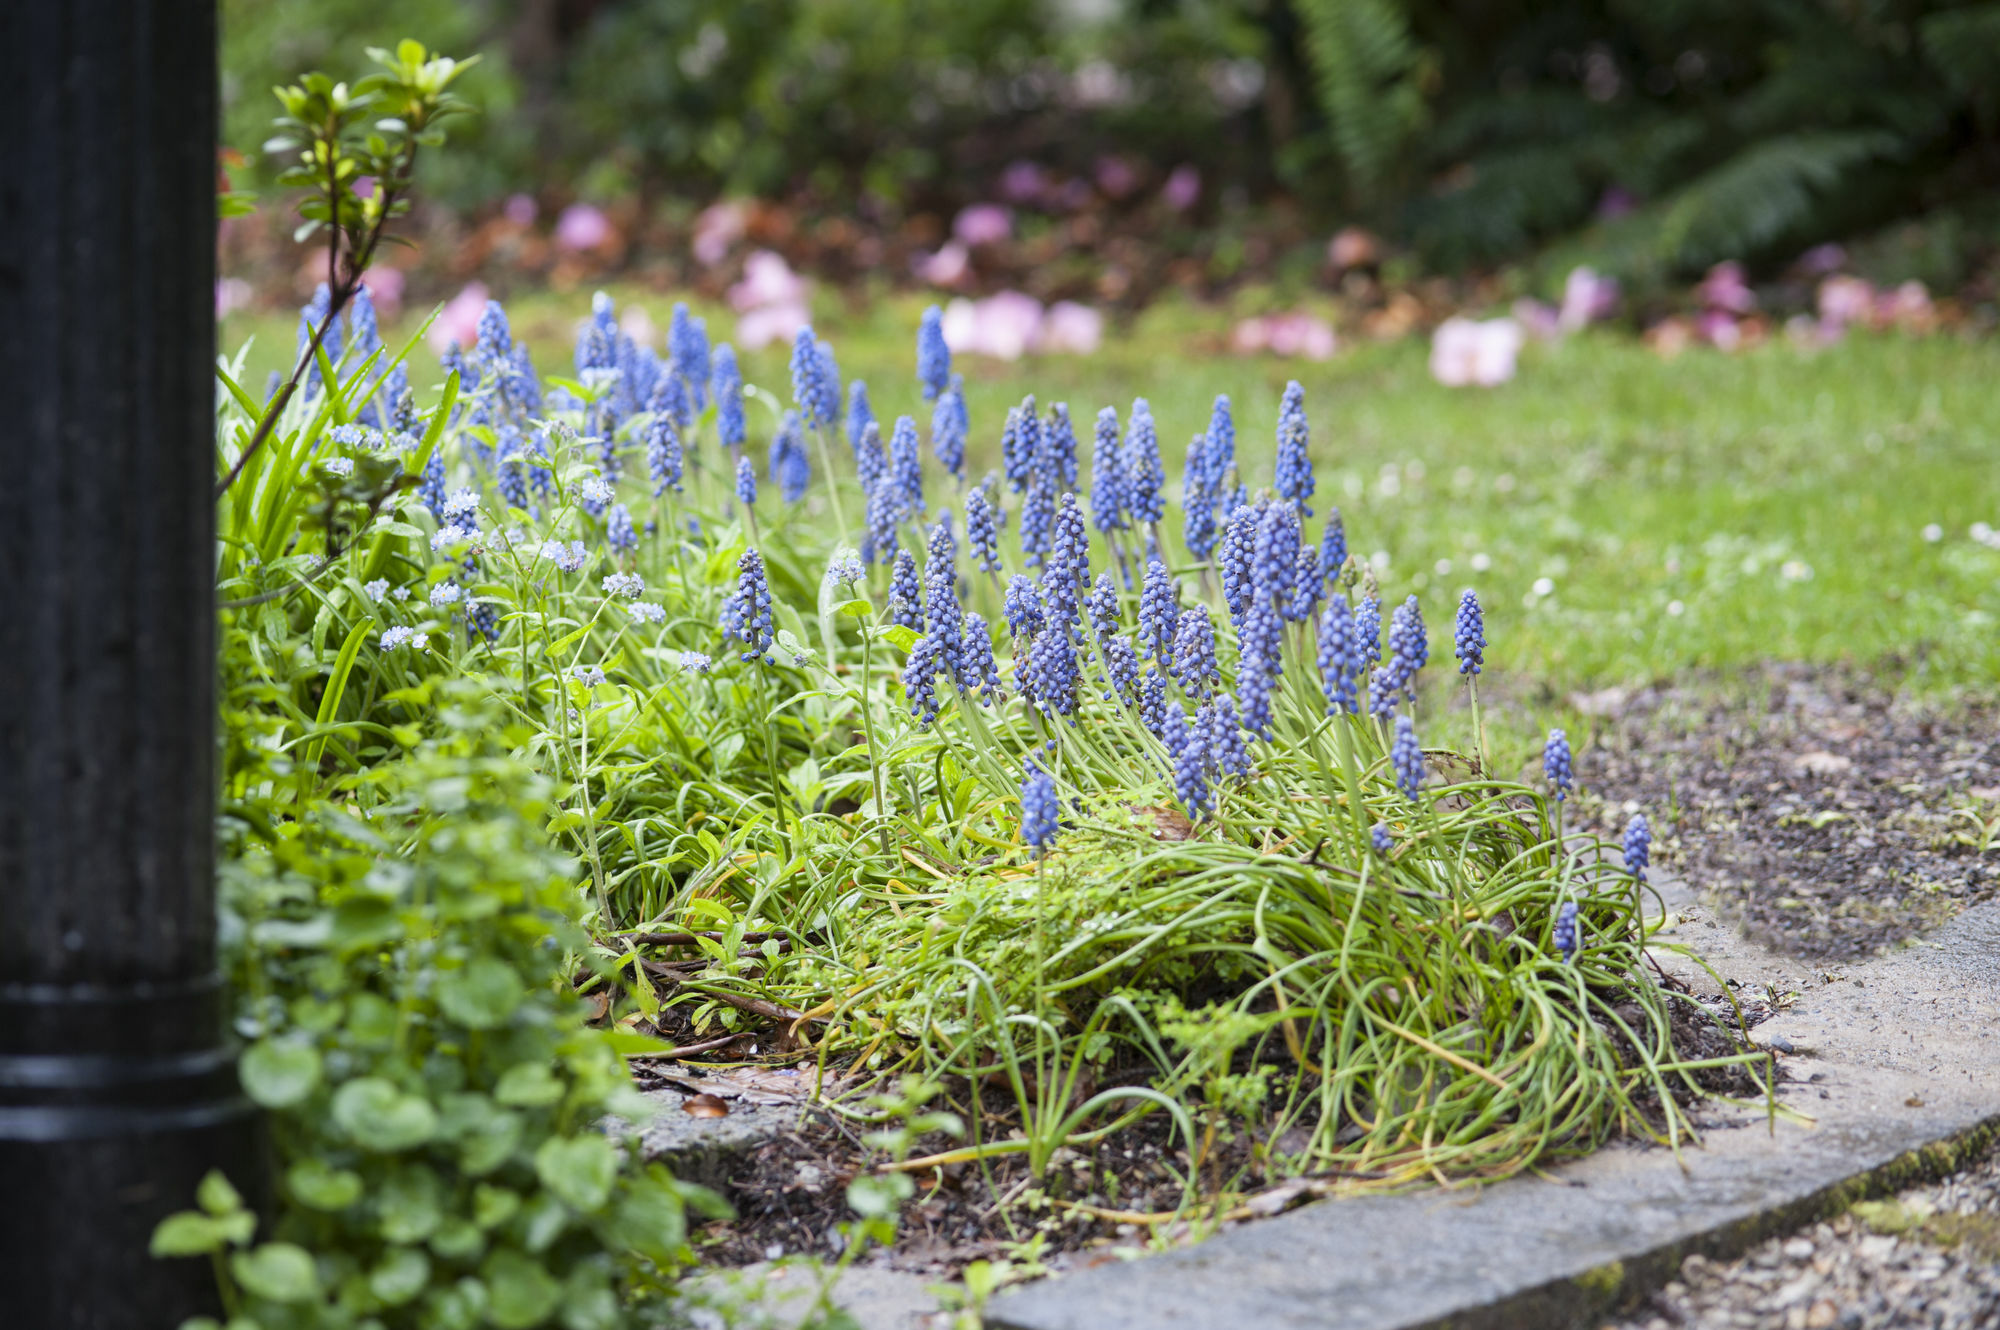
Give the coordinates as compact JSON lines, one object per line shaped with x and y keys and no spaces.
{"x":1929,"y":1257}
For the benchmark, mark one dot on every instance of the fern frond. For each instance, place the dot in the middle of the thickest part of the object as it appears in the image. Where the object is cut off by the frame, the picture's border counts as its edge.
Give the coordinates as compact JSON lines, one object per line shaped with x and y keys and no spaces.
{"x":1367,"y":68}
{"x":1760,"y":193}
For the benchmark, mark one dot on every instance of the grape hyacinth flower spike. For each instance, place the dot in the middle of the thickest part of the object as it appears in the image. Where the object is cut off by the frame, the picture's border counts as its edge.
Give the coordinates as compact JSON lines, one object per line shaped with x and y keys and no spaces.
{"x":933,"y":356}
{"x":746,"y":615}
{"x":1144,"y":476}
{"x":1469,"y":635}
{"x":809,"y":379}
{"x":726,"y":383}
{"x":1408,"y":759}
{"x":949,"y":428}
{"x":1038,"y":808}
{"x":1638,"y":846}
{"x":1556,"y":765}
{"x":1294,"y":467}
{"x":982,"y":535}
{"x":1381,"y":839}
{"x":1566,"y":932}
{"x":860,"y":414}
{"x":906,"y":597}
{"x":746,"y":482}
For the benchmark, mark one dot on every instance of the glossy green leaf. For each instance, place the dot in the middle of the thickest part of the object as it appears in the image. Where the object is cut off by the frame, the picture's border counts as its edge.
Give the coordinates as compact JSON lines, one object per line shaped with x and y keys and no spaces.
{"x":279,"y":1073}
{"x":482,"y":994}
{"x":521,"y":1292}
{"x":278,"y":1272}
{"x":580,"y":1170}
{"x":320,"y":1186}
{"x":377,"y":1116}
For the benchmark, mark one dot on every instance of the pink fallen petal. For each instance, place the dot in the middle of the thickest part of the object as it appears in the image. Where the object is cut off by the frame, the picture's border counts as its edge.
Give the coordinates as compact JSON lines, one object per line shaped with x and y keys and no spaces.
{"x":1844,"y":300}
{"x":767,"y":280}
{"x":1023,"y":182}
{"x":1719,"y":329}
{"x":717,"y":230}
{"x":385,"y":287}
{"x":1250,"y":335}
{"x":582,"y":226}
{"x":520,"y":209}
{"x":1352,"y":247}
{"x":1297,"y":334}
{"x":1073,"y":328}
{"x":983,"y":224}
{"x":231,"y":294}
{"x":1470,"y":352}
{"x":1587,"y":299}
{"x":1725,"y":289}
{"x":1538,"y":318}
{"x":1116,"y":176}
{"x":768,"y":324}
{"x":947,"y":267}
{"x":637,"y":324}
{"x":458,"y":321}
{"x":1003,"y":326}
{"x":1907,"y":307}
{"x":1183,"y":187}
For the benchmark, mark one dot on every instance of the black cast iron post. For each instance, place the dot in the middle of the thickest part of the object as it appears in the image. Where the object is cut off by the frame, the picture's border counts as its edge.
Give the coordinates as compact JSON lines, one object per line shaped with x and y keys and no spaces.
{"x":117,"y":1089}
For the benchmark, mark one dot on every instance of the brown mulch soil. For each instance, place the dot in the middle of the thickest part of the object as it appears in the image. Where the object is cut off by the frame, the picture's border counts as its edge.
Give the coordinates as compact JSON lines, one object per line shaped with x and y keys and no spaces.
{"x":1829,"y":817}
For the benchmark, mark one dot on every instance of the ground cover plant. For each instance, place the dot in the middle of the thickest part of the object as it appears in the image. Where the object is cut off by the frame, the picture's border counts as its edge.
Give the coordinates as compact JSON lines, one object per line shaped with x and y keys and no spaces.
{"x":1123,"y":814}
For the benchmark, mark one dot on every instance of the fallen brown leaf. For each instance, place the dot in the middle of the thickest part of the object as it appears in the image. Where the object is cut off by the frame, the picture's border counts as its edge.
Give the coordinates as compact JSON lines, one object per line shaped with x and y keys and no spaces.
{"x":705,"y":1106}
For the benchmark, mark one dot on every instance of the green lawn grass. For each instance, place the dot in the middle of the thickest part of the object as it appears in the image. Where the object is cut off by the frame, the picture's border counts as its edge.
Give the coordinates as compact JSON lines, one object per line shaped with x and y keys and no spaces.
{"x":1697,"y":513}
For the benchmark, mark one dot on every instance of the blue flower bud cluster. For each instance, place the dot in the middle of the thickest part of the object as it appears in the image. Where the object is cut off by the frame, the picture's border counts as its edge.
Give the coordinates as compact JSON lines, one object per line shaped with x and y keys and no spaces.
{"x":1407,"y":759}
{"x":687,"y":350}
{"x":1294,"y":480}
{"x":746,"y":482}
{"x":1226,"y":749}
{"x":860,"y":415}
{"x":618,"y":530}
{"x":1566,"y":934}
{"x":1332,"y":548}
{"x":906,"y":467}
{"x":1038,"y":808}
{"x":1159,"y":614}
{"x":982,"y":535}
{"x":1638,"y":846}
{"x":726,"y":384}
{"x":1024,"y":607}
{"x":933,"y":356}
{"x":1339,"y":659}
{"x":791,"y":465}
{"x":1556,"y":765}
{"x":979,"y":669}
{"x":664,"y":456}
{"x":1107,"y":475}
{"x":950,"y":427}
{"x":1469,"y":635}
{"x":1194,"y":665}
{"x":906,"y":597}
{"x":1144,"y":477}
{"x":746,"y":615}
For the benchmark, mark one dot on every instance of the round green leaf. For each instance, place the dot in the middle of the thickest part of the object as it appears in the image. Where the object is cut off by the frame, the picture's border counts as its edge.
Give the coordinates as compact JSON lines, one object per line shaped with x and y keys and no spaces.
{"x":409,"y":1204}
{"x":520,"y":1292}
{"x":279,"y":1074}
{"x":579,"y":1169}
{"x":215,"y":1195}
{"x":188,"y":1233}
{"x":277,"y":1272}
{"x":380,"y":1117}
{"x":528,"y":1085}
{"x":320,"y":1186}
{"x":482,"y":995}
{"x":401,"y":1275}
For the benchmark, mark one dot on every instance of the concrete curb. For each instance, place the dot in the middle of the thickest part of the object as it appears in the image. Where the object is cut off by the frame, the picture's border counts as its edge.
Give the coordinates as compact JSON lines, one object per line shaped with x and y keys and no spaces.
{"x":1896,"y":1060}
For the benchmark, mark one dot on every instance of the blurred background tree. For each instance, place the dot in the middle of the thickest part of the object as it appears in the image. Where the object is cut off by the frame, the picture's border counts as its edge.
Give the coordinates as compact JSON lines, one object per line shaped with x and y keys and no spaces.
{"x":1652,"y":137}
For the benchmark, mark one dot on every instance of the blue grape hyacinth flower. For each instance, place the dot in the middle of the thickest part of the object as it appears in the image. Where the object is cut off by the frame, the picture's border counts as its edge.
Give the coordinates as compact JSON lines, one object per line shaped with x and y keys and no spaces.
{"x":1469,"y":635}
{"x":1381,"y":839}
{"x":1567,"y":934}
{"x":1038,"y":808}
{"x":860,"y":415}
{"x":933,"y":356}
{"x":725,"y":382}
{"x":809,"y":390}
{"x":906,"y":597}
{"x":982,"y":533}
{"x":1407,"y":757}
{"x":1556,"y":765}
{"x":1107,"y":475}
{"x":1294,"y":467}
{"x":1194,"y":665}
{"x":746,"y":482}
{"x":746,"y":615}
{"x":1638,"y":846}
{"x":950,"y":427}
{"x":1339,"y":658}
{"x":1144,"y":474}
{"x":1332,"y":547}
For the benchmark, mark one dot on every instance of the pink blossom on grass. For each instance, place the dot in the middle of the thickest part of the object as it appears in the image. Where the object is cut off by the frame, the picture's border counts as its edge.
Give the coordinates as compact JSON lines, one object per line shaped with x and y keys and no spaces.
{"x":385,"y":288}
{"x":231,"y":294}
{"x":1725,"y":289}
{"x":1475,"y":353}
{"x":1073,"y":328}
{"x":947,"y":267}
{"x":1183,"y":188}
{"x":582,"y":226}
{"x":717,"y":230}
{"x":520,"y":209}
{"x":458,"y":321}
{"x":1843,"y":300}
{"x":769,"y":324}
{"x":1003,"y":326}
{"x":767,"y":280}
{"x":983,"y":224}
{"x":1587,"y":299}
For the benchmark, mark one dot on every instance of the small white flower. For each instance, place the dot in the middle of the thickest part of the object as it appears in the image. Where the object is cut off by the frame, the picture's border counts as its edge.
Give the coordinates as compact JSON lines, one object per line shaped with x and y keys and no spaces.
{"x":1481,"y":562}
{"x":402,"y":593}
{"x":1442,"y":567}
{"x":461,"y":505}
{"x":1676,"y":609}
{"x":645,"y":611}
{"x":1796,"y":570}
{"x":377,"y":588}
{"x":629,"y":585}
{"x":454,"y":534}
{"x":1543,"y":587}
{"x":1933,"y":533}
{"x":695,"y":662}
{"x":340,"y":466}
{"x":594,"y":490}
{"x":446,"y":593}
{"x":398,"y":636}
{"x":587,"y":675}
